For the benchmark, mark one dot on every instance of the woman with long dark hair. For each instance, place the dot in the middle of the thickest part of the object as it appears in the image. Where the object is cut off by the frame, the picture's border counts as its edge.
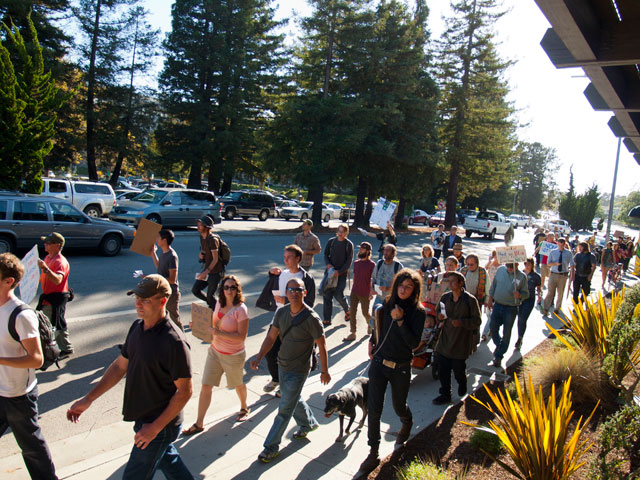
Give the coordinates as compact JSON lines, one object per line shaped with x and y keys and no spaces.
{"x":398,"y":328}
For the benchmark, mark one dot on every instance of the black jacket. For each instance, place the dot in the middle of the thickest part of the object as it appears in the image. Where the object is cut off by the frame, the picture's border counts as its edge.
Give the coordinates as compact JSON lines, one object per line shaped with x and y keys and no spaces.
{"x":266,"y":300}
{"x":448,"y":250}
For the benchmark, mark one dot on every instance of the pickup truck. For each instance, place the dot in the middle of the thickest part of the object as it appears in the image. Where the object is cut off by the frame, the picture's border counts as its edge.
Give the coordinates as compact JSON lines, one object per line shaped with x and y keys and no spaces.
{"x":94,"y":199}
{"x":561,"y":226}
{"x":488,"y":223}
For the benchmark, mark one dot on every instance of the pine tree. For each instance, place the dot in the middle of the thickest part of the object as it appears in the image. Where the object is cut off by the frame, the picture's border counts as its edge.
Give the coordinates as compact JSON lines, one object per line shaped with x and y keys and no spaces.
{"x":29,"y":101}
{"x":535,"y":163}
{"x":477,"y":121}
{"x":218,"y":85}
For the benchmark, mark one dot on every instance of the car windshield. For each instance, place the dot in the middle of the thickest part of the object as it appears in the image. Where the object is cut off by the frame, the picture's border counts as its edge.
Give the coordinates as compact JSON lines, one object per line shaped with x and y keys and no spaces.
{"x":306,"y":204}
{"x":150,"y":196}
{"x":235,"y":196}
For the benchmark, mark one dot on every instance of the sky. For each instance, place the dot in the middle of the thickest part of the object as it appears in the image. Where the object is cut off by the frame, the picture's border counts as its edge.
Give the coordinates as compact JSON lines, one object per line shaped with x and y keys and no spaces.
{"x":549,"y":102}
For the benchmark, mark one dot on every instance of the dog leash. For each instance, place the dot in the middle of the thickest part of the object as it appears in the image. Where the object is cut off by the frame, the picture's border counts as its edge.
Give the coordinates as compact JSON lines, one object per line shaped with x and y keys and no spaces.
{"x":378,"y":347}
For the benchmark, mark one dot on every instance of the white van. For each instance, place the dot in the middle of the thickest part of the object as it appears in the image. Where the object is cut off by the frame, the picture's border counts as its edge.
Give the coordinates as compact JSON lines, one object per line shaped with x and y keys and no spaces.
{"x":94,"y":199}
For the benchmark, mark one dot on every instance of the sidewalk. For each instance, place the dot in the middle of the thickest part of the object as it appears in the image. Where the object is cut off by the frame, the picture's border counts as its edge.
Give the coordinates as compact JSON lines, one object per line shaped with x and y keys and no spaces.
{"x":229,"y":450}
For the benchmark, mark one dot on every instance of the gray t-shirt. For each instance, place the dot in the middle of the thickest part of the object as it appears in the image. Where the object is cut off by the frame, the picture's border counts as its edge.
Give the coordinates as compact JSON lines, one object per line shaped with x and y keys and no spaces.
{"x":383,"y":276}
{"x":296,"y":348}
{"x":167,"y":261}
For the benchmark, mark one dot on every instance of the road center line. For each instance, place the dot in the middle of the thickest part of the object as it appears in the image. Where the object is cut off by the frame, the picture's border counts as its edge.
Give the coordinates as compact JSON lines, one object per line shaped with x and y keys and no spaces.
{"x":127,"y":312}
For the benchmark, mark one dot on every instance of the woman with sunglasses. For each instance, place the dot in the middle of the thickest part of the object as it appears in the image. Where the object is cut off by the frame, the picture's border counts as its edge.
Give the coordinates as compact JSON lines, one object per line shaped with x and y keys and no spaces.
{"x":226,"y":354}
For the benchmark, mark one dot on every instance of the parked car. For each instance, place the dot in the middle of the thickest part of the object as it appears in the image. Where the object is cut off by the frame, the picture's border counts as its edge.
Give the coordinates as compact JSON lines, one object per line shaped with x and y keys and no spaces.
{"x":487,"y":223}
{"x":303,"y":211}
{"x":126,"y":194}
{"x":170,"y":207}
{"x":335,"y":210}
{"x":93,"y":198}
{"x":562,"y":226}
{"x":25,"y":218}
{"x":437,"y":218}
{"x":280,"y":204}
{"x":247,"y":203}
{"x":418,"y":216}
{"x":517,"y":220}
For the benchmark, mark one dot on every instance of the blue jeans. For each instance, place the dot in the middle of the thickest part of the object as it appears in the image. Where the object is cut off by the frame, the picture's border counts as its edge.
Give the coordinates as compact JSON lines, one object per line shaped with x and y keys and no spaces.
{"x":159,"y":454}
{"x":338,"y":294}
{"x":523,"y":315}
{"x":502,"y":316}
{"x":291,"y":405}
{"x":21,"y":415}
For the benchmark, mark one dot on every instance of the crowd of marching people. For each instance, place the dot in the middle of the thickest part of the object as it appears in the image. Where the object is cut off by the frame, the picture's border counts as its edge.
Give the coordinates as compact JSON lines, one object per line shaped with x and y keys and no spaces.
{"x":440,"y":303}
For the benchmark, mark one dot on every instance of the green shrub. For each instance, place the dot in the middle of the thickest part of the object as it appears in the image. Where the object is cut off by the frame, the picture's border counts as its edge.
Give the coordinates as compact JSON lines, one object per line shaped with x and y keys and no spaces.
{"x":486,"y":441}
{"x":587,"y":381}
{"x":421,"y":469}
{"x":562,"y":343}
{"x":619,"y":438}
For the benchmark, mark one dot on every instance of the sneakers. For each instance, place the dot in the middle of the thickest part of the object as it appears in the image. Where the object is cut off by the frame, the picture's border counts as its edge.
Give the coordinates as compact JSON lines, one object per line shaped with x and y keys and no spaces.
{"x":270,"y":387}
{"x":278,"y":393}
{"x":370,"y":463}
{"x":485,"y":337}
{"x":442,"y":400}
{"x":462,"y":389}
{"x":303,"y":433}
{"x":497,"y":362}
{"x":403,"y":434}
{"x":65,"y":354}
{"x":266,"y":456}
{"x":518,"y":344}
{"x":349,"y":338}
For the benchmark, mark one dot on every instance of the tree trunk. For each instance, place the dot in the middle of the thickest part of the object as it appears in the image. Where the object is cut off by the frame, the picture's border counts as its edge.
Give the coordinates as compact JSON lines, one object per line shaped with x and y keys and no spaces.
{"x":358,"y":220}
{"x":91,"y":86}
{"x":215,"y":174}
{"x":127,"y":122}
{"x":227,"y":180}
{"x":195,"y":174}
{"x":397,"y":225}
{"x":369,"y":210}
{"x":316,"y":215}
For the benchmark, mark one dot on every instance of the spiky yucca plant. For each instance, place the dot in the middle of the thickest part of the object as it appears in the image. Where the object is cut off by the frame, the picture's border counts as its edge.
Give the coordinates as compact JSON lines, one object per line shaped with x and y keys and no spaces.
{"x":535,"y":434}
{"x":589,"y":325}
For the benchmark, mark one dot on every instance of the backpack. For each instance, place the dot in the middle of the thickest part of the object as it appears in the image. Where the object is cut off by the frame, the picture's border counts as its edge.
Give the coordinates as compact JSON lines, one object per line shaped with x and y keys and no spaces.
{"x":50,"y":349}
{"x":224,"y":252}
{"x":396,"y":265}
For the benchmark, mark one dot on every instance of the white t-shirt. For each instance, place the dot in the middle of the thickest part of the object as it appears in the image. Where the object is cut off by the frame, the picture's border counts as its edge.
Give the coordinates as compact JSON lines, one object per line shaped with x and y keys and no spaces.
{"x":15,"y":382}
{"x":284,"y":278}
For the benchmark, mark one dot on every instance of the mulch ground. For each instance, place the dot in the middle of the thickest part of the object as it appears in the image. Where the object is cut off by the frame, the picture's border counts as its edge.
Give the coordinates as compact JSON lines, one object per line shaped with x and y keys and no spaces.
{"x":446,"y":442}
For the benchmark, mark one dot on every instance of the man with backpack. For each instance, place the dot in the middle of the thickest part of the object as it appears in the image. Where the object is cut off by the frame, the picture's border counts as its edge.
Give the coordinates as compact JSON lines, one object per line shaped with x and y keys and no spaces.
{"x":338,"y":256}
{"x":214,"y":254}
{"x":18,"y":361}
{"x":298,"y":328}
{"x":383,"y":273}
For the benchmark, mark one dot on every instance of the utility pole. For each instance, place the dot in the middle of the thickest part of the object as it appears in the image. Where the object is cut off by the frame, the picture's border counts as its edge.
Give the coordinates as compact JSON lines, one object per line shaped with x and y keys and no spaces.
{"x":613,"y":192}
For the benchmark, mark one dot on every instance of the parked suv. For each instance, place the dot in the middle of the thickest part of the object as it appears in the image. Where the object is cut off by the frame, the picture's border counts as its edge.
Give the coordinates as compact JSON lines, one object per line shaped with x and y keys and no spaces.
{"x":93,"y":198}
{"x":25,"y":218}
{"x":248,"y":203}
{"x":172,"y":207}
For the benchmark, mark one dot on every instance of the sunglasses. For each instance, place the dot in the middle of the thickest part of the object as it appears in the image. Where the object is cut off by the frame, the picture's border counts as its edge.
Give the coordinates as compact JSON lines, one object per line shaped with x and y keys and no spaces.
{"x":230,"y":287}
{"x":295,"y":289}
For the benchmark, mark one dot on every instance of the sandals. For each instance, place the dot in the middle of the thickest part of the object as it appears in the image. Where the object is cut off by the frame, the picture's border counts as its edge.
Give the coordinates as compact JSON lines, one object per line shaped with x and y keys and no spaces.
{"x":243,"y":414}
{"x":347,"y":316}
{"x":192,"y":430}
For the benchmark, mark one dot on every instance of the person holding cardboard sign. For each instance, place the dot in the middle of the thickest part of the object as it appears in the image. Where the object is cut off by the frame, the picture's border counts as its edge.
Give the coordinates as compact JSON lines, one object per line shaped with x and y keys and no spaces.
{"x":213,"y":268}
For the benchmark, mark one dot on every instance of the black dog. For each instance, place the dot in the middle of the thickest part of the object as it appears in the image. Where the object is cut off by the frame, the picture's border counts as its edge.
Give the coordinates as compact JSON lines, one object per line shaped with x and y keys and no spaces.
{"x":344,"y":402}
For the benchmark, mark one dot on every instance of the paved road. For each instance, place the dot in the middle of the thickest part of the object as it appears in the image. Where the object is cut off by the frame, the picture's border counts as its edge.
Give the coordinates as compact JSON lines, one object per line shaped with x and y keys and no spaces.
{"x":102,"y":313}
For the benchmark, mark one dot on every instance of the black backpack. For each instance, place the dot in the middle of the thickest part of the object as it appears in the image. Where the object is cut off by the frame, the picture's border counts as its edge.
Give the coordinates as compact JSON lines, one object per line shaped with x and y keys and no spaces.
{"x":224,"y":252}
{"x":396,"y":265}
{"x":50,"y":349}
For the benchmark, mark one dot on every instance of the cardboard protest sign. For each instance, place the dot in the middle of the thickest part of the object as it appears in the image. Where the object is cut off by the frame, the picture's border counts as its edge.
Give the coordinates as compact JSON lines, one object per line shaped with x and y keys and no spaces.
{"x":145,"y":237}
{"x":547,"y":247}
{"x":29,"y":283}
{"x":382,"y":212}
{"x":618,"y":234}
{"x":201,"y":322}
{"x":434,"y":289}
{"x":514,"y":253}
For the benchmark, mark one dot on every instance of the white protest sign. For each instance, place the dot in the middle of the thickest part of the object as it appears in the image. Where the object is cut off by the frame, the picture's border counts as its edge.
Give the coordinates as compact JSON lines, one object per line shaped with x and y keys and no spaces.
{"x":514,"y":253}
{"x":547,"y":247}
{"x":29,"y":283}
{"x":382,"y":212}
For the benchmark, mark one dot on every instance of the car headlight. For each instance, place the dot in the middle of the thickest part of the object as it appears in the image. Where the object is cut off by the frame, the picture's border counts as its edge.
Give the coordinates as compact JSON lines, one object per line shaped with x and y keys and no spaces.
{"x":141,"y":212}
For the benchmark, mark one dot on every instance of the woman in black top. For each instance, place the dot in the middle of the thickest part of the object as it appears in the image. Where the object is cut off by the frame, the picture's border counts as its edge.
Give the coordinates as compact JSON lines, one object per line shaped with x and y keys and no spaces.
{"x":398,"y":328}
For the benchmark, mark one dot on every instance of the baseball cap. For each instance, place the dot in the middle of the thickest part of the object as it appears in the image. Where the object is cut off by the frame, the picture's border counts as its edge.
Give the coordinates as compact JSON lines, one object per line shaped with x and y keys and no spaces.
{"x":366,"y":245}
{"x":206,"y":220}
{"x":53,"y":237}
{"x":308,"y":221}
{"x":152,"y":285}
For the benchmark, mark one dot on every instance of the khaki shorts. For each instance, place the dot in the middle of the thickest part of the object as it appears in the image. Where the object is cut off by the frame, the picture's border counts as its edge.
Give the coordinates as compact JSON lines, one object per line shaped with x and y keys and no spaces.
{"x":217,"y":364}
{"x":545,"y":270}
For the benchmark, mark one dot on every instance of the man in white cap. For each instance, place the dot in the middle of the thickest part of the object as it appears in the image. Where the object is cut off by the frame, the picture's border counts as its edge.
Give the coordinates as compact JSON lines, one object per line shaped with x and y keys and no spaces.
{"x":213,"y":268}
{"x":155,"y":359}
{"x":54,"y":282}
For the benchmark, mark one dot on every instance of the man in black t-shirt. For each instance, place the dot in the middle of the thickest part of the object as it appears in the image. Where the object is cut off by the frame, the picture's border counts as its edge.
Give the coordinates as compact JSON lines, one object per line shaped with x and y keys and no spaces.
{"x":155,"y":358}
{"x":584,"y":265}
{"x":213,"y":268}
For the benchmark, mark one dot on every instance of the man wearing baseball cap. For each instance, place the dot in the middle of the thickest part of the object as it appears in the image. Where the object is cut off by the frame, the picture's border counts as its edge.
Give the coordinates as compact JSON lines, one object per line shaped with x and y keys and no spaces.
{"x":309,"y":243}
{"x":213,"y":269}
{"x":54,"y":282}
{"x":155,"y":358}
